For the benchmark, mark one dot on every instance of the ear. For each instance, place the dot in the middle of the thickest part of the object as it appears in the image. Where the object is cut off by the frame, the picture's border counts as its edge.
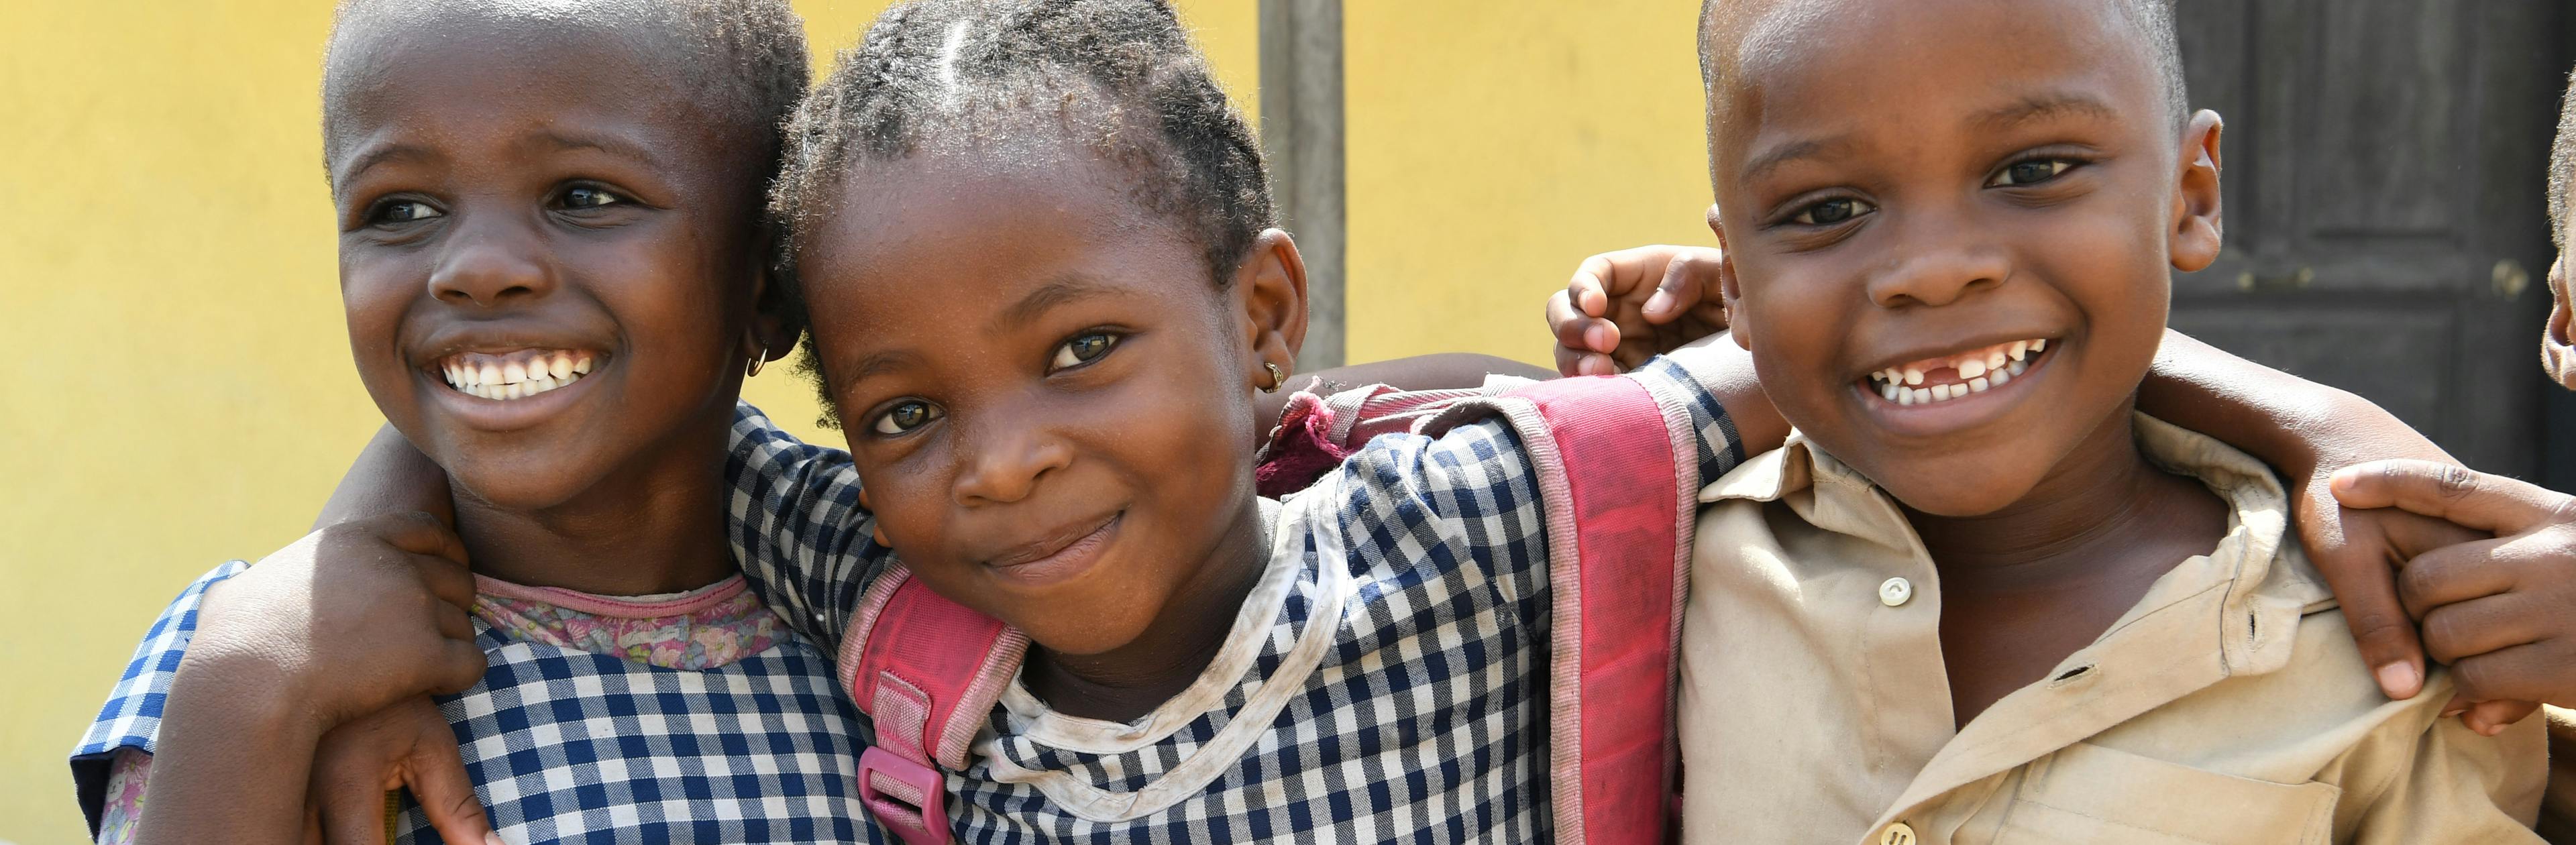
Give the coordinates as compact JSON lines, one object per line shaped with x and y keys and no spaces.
{"x":1270,"y":293}
{"x":2557,"y":354}
{"x":2198,"y":229}
{"x":776,"y":321}
{"x":1730,"y":289}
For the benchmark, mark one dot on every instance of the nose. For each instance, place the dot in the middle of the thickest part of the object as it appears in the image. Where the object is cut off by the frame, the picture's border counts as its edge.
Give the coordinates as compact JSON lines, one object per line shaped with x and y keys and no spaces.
{"x":1937,"y":266}
{"x":489,"y":263}
{"x":1004,"y":461}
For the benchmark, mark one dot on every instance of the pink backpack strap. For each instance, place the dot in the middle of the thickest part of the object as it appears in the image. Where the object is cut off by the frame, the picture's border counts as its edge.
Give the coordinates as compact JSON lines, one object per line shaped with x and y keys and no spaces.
{"x":1610,"y":462}
{"x":926,"y":670}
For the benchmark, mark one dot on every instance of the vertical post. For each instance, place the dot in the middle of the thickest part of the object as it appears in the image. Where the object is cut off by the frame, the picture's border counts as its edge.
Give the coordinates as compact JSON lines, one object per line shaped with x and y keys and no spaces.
{"x":1301,"y":131}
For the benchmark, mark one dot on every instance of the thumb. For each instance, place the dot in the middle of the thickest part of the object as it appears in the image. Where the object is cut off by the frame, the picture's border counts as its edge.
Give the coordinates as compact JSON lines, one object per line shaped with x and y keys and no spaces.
{"x":436,"y":775}
{"x":2448,"y":491}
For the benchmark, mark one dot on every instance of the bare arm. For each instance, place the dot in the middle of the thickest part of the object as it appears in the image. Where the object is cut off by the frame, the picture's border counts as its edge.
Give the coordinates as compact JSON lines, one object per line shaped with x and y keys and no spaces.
{"x":390,"y":476}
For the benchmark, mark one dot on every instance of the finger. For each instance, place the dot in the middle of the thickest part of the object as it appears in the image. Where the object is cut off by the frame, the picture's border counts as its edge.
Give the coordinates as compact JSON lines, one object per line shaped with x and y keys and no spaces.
{"x":436,"y":774}
{"x":460,"y":666}
{"x":2522,"y":673}
{"x":421,"y":533}
{"x":2489,"y":718}
{"x":450,"y":581}
{"x":1569,"y":362}
{"x":1590,"y":289}
{"x":2468,"y":497}
{"x":2453,"y":574}
{"x":453,"y":622}
{"x":2360,"y":573}
{"x":1563,"y":320}
{"x":349,"y":787}
{"x":1687,"y":278}
{"x":2456,"y":632}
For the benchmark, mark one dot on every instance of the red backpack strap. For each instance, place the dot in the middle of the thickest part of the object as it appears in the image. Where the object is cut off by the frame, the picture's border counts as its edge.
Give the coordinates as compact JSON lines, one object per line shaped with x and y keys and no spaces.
{"x":926,"y":670}
{"x":1610,"y":461}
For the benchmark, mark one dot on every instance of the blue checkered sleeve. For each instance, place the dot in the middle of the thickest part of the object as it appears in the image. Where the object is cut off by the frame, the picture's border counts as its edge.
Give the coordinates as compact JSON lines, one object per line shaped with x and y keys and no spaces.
{"x":797,"y":528}
{"x":1680,"y":379}
{"x":132,"y":716}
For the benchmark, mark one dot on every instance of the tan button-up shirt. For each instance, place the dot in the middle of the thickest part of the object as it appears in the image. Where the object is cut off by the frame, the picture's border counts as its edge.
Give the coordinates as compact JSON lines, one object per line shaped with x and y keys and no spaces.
{"x":2228,"y":706}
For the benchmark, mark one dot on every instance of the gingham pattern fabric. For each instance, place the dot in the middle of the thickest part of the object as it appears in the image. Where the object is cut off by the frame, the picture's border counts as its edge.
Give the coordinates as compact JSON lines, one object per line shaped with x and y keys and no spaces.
{"x":569,"y":746}
{"x":1423,"y":722}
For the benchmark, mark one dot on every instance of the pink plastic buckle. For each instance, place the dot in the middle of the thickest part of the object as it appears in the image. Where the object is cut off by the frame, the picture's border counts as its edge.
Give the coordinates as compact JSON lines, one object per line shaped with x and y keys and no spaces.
{"x":922,"y":822}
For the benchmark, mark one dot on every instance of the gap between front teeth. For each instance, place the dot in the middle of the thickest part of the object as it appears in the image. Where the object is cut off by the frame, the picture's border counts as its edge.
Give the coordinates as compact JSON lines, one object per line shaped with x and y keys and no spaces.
{"x":1980,"y":371}
{"x":515,"y":376}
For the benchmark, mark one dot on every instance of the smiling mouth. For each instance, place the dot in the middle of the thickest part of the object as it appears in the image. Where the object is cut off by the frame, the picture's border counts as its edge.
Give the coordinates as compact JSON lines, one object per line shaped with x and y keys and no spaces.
{"x":1059,"y":556}
{"x":515,"y":375}
{"x":1934,"y":380}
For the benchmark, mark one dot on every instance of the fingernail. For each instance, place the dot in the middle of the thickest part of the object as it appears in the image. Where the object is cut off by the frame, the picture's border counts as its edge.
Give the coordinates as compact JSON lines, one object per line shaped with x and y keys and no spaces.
{"x":1659,"y":302}
{"x":2399,"y":679}
{"x":1597,"y":338}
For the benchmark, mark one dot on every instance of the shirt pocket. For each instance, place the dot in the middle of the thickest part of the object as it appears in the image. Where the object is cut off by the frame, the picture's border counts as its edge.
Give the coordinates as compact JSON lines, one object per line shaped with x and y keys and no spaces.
{"x":2088,"y":793}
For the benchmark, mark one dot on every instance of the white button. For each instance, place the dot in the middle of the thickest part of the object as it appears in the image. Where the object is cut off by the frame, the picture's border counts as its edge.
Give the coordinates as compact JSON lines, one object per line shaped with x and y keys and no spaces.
{"x":1899,"y":833}
{"x":1893,"y":592}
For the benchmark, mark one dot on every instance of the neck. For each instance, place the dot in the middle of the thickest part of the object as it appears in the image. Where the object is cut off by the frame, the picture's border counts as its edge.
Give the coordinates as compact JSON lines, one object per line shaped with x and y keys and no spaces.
{"x":655,"y":525}
{"x":2103,"y":500}
{"x":1127,"y":682}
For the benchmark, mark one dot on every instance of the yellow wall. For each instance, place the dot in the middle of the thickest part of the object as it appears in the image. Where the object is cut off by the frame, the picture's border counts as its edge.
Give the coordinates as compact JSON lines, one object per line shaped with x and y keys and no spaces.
{"x":178,"y":387}
{"x":1491,"y":146}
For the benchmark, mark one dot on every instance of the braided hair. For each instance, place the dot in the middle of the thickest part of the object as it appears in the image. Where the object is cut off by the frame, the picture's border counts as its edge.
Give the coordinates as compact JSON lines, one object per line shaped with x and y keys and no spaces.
{"x":1118,"y":79}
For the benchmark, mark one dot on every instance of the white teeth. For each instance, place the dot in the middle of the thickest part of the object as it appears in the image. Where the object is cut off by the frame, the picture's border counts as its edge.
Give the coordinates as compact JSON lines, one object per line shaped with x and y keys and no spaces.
{"x":1995,"y":360}
{"x":1977,"y":385}
{"x":1888,"y":391}
{"x":2040,"y":345}
{"x":1998,"y":377}
{"x":2017,"y":367}
{"x":582,"y":366}
{"x":2019,"y":348}
{"x":1905,"y":396}
{"x":1913,"y":376}
{"x":1970,"y":369}
{"x":514,"y":372}
{"x":560,"y":366}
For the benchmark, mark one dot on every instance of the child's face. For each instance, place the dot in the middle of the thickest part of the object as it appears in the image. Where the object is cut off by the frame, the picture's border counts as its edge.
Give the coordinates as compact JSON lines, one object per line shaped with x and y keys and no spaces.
{"x":1930,"y":185}
{"x":1045,"y":395}
{"x":547,"y":254}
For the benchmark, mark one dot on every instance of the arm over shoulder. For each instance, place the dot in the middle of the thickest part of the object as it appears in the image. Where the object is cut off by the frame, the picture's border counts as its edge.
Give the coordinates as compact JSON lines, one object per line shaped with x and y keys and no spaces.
{"x":797,"y":528}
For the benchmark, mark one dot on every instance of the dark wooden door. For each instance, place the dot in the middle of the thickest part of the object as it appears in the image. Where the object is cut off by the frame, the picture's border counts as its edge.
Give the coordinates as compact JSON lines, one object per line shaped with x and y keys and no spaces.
{"x":2385,"y":203}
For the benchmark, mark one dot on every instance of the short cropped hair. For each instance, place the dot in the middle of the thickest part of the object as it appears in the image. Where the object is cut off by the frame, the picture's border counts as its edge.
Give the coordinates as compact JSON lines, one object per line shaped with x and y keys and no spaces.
{"x":2152,"y":20}
{"x":2562,"y":169}
{"x":744,"y":60}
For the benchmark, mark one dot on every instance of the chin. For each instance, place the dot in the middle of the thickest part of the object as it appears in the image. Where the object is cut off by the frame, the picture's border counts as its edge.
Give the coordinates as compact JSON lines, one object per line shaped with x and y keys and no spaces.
{"x":1956,"y":489}
{"x":519,"y":483}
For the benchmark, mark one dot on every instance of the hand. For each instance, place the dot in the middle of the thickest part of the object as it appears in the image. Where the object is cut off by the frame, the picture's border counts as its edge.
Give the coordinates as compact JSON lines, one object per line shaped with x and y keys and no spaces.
{"x":406,"y":745}
{"x":1607,"y":320}
{"x":345,"y":622}
{"x":2499,"y":608}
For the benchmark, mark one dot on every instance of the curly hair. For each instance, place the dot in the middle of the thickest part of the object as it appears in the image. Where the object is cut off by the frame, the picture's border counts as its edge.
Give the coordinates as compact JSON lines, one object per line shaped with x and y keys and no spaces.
{"x":1119,"y":79}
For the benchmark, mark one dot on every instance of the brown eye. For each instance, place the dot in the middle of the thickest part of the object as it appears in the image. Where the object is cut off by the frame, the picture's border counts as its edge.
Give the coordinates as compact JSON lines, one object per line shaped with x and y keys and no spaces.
{"x":584,"y":196}
{"x":2030,"y":172}
{"x":1831,"y":211}
{"x":905,"y":416}
{"x":1082,"y":350}
{"x":404,"y":211}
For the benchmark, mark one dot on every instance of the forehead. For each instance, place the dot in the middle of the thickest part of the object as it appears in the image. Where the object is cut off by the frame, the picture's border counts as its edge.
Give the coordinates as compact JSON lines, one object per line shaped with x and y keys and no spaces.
{"x":1860,"y":63}
{"x":467,"y":72}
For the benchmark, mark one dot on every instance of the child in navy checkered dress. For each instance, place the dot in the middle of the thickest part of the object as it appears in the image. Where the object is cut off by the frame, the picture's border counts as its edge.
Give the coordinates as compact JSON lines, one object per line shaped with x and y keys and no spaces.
{"x":552,"y":267}
{"x":1039,"y":257}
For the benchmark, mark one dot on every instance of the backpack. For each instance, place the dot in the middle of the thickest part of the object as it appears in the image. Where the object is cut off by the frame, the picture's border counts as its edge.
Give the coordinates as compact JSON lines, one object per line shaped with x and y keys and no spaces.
{"x":1609,"y":463}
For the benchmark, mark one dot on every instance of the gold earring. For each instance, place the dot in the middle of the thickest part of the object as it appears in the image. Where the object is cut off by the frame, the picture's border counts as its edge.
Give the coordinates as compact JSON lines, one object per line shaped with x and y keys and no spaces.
{"x":1277,"y":379}
{"x":756,"y":361}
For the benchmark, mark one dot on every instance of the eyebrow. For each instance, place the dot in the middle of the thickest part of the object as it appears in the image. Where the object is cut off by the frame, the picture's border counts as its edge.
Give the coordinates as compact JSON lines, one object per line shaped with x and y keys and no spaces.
{"x":609,"y":144}
{"x":880,"y":364}
{"x":379,"y":154}
{"x":2040,"y":107}
{"x":1063,"y":289}
{"x":1775,"y":158}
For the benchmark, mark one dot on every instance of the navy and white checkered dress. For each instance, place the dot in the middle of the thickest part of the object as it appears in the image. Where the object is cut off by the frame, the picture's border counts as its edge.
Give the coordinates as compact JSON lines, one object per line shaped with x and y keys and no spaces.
{"x":1387,"y":685}
{"x":569,"y":746}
